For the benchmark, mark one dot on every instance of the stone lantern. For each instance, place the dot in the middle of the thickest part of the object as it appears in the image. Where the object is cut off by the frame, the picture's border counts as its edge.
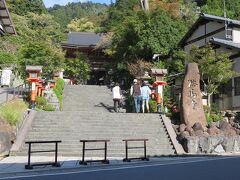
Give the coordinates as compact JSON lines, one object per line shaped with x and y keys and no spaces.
{"x":158,"y":75}
{"x":34,"y":80}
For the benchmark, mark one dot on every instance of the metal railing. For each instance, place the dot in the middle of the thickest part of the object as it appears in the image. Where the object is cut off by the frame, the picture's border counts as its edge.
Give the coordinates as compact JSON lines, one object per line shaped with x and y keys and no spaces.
{"x":84,"y":149}
{"x":144,"y":147}
{"x":55,"y":163}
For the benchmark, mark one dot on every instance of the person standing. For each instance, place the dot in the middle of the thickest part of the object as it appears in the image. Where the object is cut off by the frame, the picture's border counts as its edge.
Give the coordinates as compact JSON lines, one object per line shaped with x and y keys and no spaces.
{"x":145,"y":93}
{"x":136,"y":93}
{"x":116,"y":92}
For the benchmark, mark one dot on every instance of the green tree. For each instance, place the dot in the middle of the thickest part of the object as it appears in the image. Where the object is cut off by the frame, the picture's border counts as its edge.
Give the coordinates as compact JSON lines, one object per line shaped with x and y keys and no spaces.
{"x":81,"y":25}
{"x":77,"y":68}
{"x":144,"y":34}
{"x":22,"y":7}
{"x":44,"y":54}
{"x":95,"y":12}
{"x":216,"y":7}
{"x":215,"y":69}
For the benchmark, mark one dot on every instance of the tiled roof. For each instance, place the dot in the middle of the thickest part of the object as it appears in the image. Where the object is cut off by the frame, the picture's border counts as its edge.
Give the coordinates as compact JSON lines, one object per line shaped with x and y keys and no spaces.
{"x":206,"y":18}
{"x":84,"y":39}
{"x":5,"y":19}
{"x":224,"y":42}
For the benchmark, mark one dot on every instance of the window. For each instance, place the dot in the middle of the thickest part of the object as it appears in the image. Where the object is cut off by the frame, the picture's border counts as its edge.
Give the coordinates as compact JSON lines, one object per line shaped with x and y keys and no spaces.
{"x":237,"y":86}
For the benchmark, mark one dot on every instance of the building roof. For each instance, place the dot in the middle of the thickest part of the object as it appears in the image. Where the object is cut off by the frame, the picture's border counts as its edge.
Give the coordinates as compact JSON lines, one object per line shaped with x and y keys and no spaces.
{"x":83,"y":39}
{"x":204,"y":18}
{"x":6,"y":24}
{"x":224,"y":42}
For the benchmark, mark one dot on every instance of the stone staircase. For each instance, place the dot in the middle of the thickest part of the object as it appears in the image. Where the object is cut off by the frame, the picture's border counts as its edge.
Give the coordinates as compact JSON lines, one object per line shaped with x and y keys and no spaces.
{"x":88,"y":114}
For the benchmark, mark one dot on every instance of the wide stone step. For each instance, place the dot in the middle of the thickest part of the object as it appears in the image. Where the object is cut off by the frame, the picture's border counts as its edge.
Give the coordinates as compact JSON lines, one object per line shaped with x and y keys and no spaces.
{"x":87,"y":114}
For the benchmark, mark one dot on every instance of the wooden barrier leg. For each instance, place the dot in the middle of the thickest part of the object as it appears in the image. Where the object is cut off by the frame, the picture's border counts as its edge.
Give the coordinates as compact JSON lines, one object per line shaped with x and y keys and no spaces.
{"x":105,"y":161}
{"x":56,"y":164}
{"x":83,"y":155}
{"x":28,"y":166}
{"x":126,"y":151}
{"x":145,"y":152}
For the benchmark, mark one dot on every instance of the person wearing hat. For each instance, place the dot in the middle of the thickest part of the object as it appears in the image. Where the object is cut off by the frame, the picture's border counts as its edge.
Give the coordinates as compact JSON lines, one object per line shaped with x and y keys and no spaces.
{"x":145,"y":92}
{"x":136,"y":93}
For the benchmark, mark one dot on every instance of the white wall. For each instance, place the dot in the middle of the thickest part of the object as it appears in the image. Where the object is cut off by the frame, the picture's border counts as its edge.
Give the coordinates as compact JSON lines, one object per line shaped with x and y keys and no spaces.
{"x":210,"y":27}
{"x":236,"y":35}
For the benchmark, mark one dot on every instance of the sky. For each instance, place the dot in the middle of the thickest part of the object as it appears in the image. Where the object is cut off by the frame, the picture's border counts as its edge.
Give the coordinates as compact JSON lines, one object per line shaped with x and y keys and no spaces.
{"x":50,"y":3}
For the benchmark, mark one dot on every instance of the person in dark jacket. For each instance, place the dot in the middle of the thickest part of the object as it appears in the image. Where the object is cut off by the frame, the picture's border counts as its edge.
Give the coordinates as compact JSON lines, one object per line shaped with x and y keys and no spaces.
{"x":136,"y":93}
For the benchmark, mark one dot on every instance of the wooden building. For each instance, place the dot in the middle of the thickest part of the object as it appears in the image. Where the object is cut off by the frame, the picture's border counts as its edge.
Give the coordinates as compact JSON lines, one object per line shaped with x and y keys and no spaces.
{"x":6,"y":24}
{"x":87,"y":43}
{"x":224,"y":35}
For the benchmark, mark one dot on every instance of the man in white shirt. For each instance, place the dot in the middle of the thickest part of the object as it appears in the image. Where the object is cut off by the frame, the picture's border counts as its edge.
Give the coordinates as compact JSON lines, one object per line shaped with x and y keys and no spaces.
{"x":116,"y":91}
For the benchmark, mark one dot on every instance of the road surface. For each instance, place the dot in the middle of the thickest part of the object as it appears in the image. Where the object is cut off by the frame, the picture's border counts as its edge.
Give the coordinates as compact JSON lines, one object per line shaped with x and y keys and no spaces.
{"x":224,"y":168}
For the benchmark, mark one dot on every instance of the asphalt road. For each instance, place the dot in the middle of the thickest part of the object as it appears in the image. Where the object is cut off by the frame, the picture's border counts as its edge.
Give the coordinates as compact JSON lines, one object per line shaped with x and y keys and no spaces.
{"x":226,"y":168}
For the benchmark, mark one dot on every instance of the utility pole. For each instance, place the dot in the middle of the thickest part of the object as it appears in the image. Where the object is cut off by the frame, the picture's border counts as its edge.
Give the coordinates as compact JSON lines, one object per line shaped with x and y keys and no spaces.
{"x":228,"y":31}
{"x":144,"y":5}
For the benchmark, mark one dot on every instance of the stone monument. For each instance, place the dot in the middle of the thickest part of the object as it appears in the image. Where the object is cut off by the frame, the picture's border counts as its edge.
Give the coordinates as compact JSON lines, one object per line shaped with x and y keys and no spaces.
{"x":192,"y":108}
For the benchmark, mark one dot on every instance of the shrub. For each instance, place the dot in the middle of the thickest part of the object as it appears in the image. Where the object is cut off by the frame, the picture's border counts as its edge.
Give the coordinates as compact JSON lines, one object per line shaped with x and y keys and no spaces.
{"x":213,"y":118}
{"x":48,"y":107}
{"x":58,"y":90}
{"x":60,"y":85}
{"x":152,"y":106}
{"x":13,"y":111}
{"x":129,"y":103}
{"x":41,"y":101}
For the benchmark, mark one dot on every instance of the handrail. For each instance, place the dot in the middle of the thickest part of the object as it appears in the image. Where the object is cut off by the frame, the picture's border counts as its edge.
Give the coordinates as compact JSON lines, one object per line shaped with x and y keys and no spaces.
{"x":84,"y":162}
{"x":144,"y":147}
{"x":55,"y":163}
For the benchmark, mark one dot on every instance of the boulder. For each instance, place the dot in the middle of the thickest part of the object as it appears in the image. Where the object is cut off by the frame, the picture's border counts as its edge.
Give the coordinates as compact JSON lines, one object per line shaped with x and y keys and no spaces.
{"x":192,"y":107}
{"x":183,"y":135}
{"x":199,"y":133}
{"x":197,"y":127}
{"x":191,"y":144}
{"x":224,"y":126}
{"x":213,"y":130}
{"x":5,"y":144}
{"x":230,"y":114}
{"x":219,"y":149}
{"x":182,"y":127}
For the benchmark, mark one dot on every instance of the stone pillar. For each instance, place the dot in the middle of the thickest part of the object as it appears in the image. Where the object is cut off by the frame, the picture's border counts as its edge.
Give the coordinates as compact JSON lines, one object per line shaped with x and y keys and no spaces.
{"x":191,"y":104}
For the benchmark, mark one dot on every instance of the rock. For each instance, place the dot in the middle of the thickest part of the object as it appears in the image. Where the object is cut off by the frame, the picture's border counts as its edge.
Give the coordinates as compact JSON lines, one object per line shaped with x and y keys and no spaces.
{"x":230,"y":114}
{"x":228,"y":143}
{"x":183,"y":135}
{"x":231,"y":119}
{"x":224,"y":126}
{"x":219,"y":149}
{"x":238,"y":131}
{"x":225,"y":119}
{"x":223,"y":113}
{"x":230,"y":132}
{"x":197,"y":127}
{"x":192,"y":107}
{"x":236,"y":146}
{"x":191,"y":144}
{"x":204,"y":145}
{"x":190,"y":131}
{"x":4,"y":127}
{"x":212,"y":131}
{"x":182,"y":127}
{"x":5,"y":144}
{"x":198,"y":133}
{"x":216,"y":124}
{"x":205,"y":134}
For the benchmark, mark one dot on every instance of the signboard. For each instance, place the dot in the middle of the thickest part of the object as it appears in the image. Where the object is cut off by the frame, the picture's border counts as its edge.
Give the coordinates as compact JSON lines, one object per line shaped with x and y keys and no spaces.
{"x":6,"y":77}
